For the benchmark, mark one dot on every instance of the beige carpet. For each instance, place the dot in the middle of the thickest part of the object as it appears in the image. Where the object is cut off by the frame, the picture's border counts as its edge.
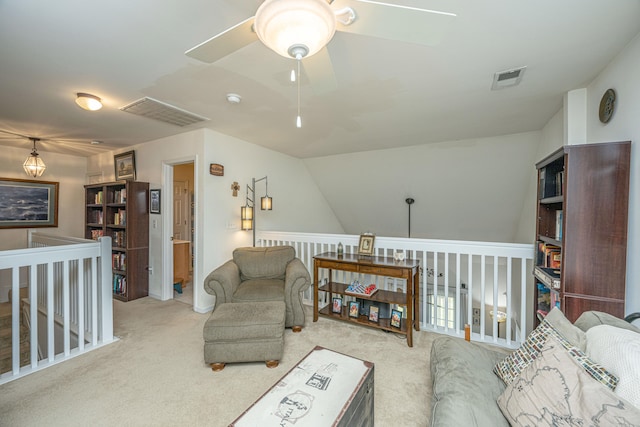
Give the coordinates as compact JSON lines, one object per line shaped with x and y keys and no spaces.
{"x":155,"y":374}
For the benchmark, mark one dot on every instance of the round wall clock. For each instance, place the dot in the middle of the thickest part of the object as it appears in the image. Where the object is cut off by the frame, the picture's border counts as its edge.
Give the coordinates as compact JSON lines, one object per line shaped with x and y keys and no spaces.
{"x":607,"y":105}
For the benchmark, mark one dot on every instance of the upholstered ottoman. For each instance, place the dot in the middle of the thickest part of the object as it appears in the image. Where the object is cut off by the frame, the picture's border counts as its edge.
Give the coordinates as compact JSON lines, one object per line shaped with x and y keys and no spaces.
{"x":245,"y":332}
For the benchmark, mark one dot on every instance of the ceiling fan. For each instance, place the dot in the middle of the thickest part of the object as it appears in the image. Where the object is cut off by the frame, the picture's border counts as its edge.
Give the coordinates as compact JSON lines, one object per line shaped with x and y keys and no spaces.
{"x":302,"y":29}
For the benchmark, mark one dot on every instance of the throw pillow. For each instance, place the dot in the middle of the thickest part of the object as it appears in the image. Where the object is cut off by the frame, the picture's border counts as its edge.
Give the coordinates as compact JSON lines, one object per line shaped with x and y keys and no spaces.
{"x":512,"y":365}
{"x":555,"y":390}
{"x":619,"y":351}
{"x":568,"y":330}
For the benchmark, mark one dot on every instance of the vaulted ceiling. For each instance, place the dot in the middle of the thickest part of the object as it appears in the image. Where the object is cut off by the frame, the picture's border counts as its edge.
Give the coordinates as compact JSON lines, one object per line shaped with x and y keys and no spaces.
{"x":387,"y":93}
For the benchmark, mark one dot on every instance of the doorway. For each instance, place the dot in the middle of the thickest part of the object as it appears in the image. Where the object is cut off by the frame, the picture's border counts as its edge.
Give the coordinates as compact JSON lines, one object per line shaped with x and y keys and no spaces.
{"x":179,"y":225}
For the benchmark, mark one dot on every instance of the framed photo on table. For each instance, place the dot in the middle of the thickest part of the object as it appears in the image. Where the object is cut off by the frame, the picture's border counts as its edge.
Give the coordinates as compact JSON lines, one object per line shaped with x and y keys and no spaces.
{"x":365,"y":247}
{"x":354,"y":309}
{"x":336,"y":306}
{"x":396,"y":318}
{"x":374,"y":314}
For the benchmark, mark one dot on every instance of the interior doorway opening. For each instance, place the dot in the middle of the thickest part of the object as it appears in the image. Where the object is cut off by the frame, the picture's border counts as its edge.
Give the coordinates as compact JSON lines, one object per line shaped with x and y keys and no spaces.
{"x":180,"y":227}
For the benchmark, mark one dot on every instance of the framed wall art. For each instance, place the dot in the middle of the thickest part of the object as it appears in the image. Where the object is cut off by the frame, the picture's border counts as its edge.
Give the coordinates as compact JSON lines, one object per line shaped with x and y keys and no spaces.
{"x":25,"y":203}
{"x":125,"y":166}
{"x":154,"y":201}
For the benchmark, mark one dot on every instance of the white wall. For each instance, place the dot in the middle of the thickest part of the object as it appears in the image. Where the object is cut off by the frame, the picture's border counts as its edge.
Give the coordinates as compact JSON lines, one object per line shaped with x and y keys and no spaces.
{"x":622,"y":75}
{"x":463,"y":190}
{"x":297,"y":202}
{"x":69,"y":172}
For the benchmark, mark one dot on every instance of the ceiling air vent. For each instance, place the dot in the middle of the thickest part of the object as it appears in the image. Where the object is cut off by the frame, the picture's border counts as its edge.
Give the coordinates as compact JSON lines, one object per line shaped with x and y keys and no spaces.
{"x":507,"y":78}
{"x":157,"y":110}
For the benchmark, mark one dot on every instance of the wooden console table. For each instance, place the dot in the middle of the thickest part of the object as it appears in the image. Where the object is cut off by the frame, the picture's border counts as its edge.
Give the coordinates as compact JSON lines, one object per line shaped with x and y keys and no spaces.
{"x":408,"y":269}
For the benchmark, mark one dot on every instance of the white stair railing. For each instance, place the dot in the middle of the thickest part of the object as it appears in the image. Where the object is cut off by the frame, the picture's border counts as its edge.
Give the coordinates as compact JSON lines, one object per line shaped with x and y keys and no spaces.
{"x":69,"y":281}
{"x":461,"y":282}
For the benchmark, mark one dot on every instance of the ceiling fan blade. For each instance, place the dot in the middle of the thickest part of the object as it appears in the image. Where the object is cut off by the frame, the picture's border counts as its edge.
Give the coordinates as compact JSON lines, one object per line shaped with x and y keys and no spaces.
{"x":319,"y":71}
{"x":228,"y":41}
{"x":394,"y":22}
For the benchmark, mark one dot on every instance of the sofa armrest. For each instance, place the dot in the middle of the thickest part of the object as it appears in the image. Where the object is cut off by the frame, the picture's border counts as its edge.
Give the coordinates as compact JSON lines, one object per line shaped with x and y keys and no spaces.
{"x":223,"y":282}
{"x":589,"y":319}
{"x":297,"y":278}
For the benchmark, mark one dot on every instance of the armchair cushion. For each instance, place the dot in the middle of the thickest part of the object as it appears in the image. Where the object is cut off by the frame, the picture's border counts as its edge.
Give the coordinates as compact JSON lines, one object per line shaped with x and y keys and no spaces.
{"x":263,"y":263}
{"x":259,"y":290}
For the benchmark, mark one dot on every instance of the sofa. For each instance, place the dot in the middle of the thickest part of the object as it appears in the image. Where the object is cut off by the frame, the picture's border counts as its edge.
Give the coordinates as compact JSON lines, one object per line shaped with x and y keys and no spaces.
{"x":467,"y":391}
{"x":262,"y":274}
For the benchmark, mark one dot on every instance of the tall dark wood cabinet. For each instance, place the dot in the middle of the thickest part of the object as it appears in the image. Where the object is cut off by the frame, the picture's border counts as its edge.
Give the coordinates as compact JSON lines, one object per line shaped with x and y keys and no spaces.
{"x":120,"y":210}
{"x":581,"y":229}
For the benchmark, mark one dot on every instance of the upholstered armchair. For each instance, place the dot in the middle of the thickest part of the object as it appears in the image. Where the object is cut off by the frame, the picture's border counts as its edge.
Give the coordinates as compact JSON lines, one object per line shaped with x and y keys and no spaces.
{"x":262,"y":274}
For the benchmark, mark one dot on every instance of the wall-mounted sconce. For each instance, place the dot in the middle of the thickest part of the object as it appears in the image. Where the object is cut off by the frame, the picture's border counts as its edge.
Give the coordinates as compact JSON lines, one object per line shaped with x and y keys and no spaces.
{"x":247,"y":215}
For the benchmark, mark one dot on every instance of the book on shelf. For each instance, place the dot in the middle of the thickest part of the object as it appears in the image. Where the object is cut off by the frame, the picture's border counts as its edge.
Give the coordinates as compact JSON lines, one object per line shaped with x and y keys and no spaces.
{"x":120,"y":196}
{"x":549,"y":276}
{"x":119,"y":261}
{"x":119,"y":284}
{"x":549,"y":255}
{"x":559,"y":178}
{"x":95,"y":234}
{"x":98,"y":198}
{"x":542,"y":192}
{"x":559,"y":225}
{"x":120,"y":217}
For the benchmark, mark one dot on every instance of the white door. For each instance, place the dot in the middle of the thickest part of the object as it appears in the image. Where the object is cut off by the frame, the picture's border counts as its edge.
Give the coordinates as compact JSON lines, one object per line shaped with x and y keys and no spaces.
{"x":181,"y":217}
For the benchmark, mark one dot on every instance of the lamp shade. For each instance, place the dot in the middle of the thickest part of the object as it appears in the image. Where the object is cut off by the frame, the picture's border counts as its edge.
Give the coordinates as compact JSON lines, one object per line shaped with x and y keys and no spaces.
{"x":283,"y":24}
{"x":246,"y":217}
{"x":88,"y":102}
{"x":266,"y":203}
{"x":34,"y":166}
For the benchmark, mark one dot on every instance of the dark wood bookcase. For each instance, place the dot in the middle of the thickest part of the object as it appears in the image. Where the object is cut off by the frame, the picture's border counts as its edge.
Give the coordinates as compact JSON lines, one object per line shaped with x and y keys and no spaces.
{"x":120,"y":210}
{"x":581,"y":229}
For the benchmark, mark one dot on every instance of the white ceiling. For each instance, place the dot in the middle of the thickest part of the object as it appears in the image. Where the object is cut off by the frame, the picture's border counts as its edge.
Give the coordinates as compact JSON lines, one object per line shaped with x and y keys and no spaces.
{"x":388,"y":93}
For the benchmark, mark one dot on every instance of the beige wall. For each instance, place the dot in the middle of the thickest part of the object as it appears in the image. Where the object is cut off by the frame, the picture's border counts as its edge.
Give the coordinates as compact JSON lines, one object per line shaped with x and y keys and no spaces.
{"x":69,"y":172}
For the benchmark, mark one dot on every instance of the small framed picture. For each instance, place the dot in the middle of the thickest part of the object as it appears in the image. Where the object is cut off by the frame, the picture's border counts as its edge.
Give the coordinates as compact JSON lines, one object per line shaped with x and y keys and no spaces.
{"x":354,"y":309}
{"x":337,"y":305}
{"x":373,"y":314}
{"x":365,"y":247}
{"x":125,"y":166}
{"x":396,"y":318}
{"x":154,"y":201}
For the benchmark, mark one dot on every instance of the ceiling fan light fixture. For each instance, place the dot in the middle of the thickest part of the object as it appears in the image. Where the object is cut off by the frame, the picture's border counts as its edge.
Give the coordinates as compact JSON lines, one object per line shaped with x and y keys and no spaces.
{"x":88,"y":102}
{"x":34,"y":166}
{"x":281,"y":24}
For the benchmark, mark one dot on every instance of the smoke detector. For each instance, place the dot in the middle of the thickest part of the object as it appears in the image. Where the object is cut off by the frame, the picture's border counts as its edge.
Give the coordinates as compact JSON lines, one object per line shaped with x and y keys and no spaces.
{"x":507,"y":78}
{"x":233,"y":98}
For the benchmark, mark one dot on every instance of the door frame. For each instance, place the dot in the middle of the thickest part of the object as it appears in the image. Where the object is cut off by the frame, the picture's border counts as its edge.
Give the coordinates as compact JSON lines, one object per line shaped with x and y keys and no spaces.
{"x":167,"y":227}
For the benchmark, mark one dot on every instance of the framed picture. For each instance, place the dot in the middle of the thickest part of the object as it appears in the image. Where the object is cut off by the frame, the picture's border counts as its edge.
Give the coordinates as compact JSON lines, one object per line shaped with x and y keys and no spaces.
{"x":337,"y":305}
{"x":365,"y":247}
{"x":154,"y":201}
{"x":125,"y":166}
{"x":354,"y":309}
{"x":396,"y":318}
{"x":373,"y":314}
{"x":25,"y":203}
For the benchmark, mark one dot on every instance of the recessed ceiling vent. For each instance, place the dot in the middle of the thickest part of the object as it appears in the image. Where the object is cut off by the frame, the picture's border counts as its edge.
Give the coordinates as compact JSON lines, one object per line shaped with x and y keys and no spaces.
{"x":157,"y":110}
{"x":507,"y":78}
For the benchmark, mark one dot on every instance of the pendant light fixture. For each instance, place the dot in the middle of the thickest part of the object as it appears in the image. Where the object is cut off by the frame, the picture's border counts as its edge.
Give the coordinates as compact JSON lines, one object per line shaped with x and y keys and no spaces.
{"x":34,"y":166}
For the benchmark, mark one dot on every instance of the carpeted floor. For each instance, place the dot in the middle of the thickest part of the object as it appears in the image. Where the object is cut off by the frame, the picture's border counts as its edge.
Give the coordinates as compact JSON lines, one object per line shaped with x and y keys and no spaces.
{"x":155,"y":374}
